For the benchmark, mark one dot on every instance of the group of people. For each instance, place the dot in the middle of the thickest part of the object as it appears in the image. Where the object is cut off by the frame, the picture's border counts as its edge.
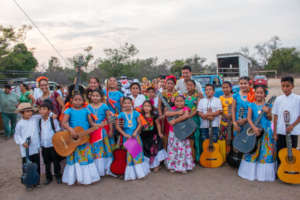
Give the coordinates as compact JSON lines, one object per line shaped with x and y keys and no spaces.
{"x":144,"y":116}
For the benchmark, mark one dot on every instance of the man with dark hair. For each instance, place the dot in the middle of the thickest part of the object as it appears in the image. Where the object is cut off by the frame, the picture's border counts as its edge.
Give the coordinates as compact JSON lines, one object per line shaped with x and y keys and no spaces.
{"x":186,"y":73}
{"x":8,"y":106}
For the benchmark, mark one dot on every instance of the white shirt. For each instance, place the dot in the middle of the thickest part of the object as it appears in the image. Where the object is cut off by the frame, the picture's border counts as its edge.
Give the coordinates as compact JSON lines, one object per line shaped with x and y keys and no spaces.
{"x":37,"y":93}
{"x":181,"y":87}
{"x":47,"y":132}
{"x":289,"y":103}
{"x":28,"y":128}
{"x":203,"y":106}
{"x":138,"y":101}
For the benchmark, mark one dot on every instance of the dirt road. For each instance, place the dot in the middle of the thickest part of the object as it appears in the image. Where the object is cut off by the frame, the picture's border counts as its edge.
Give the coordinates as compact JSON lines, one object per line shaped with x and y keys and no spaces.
{"x":222,"y":183}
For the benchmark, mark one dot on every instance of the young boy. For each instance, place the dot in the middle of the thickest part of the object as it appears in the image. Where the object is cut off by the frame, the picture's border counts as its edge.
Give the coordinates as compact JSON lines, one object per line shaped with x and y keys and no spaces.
{"x":286,"y":103}
{"x":48,"y":126}
{"x":28,"y":127}
{"x":210,"y":109}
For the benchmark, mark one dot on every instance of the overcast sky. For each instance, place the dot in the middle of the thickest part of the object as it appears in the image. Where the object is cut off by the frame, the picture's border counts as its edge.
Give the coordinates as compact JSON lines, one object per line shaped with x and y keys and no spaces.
{"x":166,"y":29}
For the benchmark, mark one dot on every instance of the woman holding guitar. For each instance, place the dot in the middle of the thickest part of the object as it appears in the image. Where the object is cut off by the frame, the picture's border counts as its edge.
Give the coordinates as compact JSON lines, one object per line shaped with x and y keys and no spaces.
{"x":260,"y":165}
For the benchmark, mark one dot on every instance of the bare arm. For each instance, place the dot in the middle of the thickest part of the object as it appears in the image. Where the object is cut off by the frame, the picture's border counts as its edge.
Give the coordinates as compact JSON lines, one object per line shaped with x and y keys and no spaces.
{"x":120,"y":129}
{"x":138,"y":128}
{"x":157,"y":122}
{"x":275,"y":126}
{"x":181,"y":118}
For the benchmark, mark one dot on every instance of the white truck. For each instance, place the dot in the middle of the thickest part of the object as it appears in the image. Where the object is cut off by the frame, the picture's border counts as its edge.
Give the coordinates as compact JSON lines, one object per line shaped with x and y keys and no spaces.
{"x":231,"y":66}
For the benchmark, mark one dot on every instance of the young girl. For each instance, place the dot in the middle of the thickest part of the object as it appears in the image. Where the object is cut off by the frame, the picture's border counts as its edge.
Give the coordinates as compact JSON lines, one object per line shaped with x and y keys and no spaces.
{"x":137,"y":167}
{"x":191,"y":101}
{"x":240,"y":105}
{"x":80,"y":165}
{"x":260,"y":165}
{"x":136,"y":96}
{"x":101,"y":149}
{"x":151,"y":96}
{"x":151,"y":136}
{"x":226,"y":101}
{"x":114,"y":96}
{"x":180,"y":157}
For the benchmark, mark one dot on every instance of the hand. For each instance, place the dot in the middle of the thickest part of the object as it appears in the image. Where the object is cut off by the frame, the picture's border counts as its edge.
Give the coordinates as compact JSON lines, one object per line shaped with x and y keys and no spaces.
{"x":180,"y":112}
{"x":134,"y":134}
{"x":127,"y":136}
{"x":161,"y":116}
{"x":110,"y":133}
{"x":266,"y":109}
{"x":73,"y":134}
{"x":210,"y":118}
{"x":161,"y":135}
{"x":25,"y":145}
{"x":236,"y":126}
{"x":257,"y":131}
{"x":275,"y":136}
{"x":54,"y":116}
{"x":172,"y":122}
{"x":289,"y":128}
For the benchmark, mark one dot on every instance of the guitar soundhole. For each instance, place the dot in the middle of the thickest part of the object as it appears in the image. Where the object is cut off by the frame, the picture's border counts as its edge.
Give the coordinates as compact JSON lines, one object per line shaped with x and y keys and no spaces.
{"x":292,"y":173}
{"x":290,"y":160}
{"x":210,"y":159}
{"x":250,"y":132}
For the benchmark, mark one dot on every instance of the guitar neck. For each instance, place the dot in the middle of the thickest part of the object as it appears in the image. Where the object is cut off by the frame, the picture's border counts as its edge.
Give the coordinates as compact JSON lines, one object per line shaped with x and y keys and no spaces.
{"x":210,"y":132}
{"x":289,"y":144}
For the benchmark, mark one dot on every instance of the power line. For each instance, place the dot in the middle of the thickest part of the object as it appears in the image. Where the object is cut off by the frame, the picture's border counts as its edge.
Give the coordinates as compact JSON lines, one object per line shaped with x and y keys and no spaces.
{"x":44,"y":36}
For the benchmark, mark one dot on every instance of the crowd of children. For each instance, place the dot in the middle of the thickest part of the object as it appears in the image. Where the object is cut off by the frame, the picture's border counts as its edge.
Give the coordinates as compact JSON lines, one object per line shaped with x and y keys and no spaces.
{"x":144,"y":117}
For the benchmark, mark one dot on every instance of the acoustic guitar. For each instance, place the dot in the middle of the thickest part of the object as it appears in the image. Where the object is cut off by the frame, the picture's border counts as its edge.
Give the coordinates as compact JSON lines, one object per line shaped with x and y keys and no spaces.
{"x":30,"y":175}
{"x":211,"y":156}
{"x":289,"y":169}
{"x":246,"y":140}
{"x":64,"y":144}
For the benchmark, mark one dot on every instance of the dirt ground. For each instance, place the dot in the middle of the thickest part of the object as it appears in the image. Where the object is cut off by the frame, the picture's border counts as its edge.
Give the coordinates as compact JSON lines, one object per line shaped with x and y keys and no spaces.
{"x":221,"y":183}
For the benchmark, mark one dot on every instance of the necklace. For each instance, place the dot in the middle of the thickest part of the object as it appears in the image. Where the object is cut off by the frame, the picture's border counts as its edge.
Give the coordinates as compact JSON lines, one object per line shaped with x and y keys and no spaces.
{"x":129,"y":120}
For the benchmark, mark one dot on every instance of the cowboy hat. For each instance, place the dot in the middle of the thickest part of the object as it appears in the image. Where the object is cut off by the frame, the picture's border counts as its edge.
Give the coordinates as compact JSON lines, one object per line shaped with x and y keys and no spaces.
{"x":25,"y":106}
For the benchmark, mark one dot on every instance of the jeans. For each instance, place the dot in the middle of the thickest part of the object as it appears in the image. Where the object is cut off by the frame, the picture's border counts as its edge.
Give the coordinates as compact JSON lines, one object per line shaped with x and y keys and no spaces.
{"x":205,"y":133}
{"x":9,"y":123}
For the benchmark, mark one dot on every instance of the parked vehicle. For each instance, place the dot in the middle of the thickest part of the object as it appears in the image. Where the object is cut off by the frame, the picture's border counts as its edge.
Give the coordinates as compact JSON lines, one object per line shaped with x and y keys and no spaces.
{"x":260,"y":80}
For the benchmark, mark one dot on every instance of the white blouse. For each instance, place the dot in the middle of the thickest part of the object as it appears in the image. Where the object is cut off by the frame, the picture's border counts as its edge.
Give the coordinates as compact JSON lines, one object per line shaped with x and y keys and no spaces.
{"x":138,"y":101}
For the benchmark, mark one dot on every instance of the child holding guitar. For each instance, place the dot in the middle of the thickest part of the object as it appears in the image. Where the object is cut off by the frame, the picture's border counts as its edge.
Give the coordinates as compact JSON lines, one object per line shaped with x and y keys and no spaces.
{"x":80,"y":165}
{"x":260,"y":165}
{"x":180,"y":157}
{"x":136,"y":167}
{"x":101,"y":148}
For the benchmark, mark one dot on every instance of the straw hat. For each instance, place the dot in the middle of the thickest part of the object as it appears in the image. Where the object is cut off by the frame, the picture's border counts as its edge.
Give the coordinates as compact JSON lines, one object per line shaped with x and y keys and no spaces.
{"x":25,"y":106}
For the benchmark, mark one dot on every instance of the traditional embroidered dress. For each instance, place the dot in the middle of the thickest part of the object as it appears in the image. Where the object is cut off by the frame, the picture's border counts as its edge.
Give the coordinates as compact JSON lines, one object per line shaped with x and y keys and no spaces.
{"x":191,"y":101}
{"x":137,"y":167}
{"x":241,"y":107}
{"x":152,"y":143}
{"x":80,"y":165}
{"x":260,"y":165}
{"x":101,"y":150}
{"x":227,"y":109}
{"x":180,"y":156}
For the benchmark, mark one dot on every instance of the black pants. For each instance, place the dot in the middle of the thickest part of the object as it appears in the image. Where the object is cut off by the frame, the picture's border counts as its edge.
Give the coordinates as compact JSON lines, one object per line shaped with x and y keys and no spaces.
{"x":281,"y":143}
{"x":50,"y":156}
{"x":35,"y":158}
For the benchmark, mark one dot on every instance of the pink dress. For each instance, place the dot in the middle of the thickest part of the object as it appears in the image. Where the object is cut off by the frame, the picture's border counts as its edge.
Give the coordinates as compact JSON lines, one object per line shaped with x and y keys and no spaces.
{"x":179,"y":152}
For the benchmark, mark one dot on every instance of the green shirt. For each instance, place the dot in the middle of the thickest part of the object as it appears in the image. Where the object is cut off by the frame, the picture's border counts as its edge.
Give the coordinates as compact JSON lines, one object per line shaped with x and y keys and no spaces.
{"x":8,"y":102}
{"x":24,"y":98}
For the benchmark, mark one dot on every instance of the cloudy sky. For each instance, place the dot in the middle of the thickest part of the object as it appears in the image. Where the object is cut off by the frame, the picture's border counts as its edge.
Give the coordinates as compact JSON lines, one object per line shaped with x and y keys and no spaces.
{"x":166,"y":29}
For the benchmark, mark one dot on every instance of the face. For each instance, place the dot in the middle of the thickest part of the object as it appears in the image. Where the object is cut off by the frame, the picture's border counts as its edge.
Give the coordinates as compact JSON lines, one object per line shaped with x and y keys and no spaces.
{"x":96,"y":97}
{"x":27,"y":114}
{"x":147,"y":107}
{"x":127,"y":104}
{"x":244,"y":85}
{"x":162,"y":83}
{"x":135,"y":90}
{"x":151,"y":94}
{"x":44,"y":111}
{"x":112,"y":83}
{"x":259,"y":94}
{"x":226,"y":89}
{"x":186,"y":74}
{"x":170,"y":85}
{"x":190,"y":86}
{"x":93,"y":84}
{"x":209,"y":91}
{"x":77,"y":101}
{"x":43,"y":84}
{"x":287,"y":87}
{"x":22,"y":88}
{"x":179,"y":102}
{"x":7,"y":90}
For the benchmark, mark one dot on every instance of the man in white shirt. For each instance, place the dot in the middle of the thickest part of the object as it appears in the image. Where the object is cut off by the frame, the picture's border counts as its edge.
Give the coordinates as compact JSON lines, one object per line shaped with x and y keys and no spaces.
{"x":210,"y":109}
{"x":48,"y":127}
{"x":286,"y":111}
{"x":186,"y":73}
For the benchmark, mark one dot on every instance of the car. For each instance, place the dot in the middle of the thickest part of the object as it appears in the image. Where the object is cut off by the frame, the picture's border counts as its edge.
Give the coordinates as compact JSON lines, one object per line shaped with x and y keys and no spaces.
{"x":260,"y":80}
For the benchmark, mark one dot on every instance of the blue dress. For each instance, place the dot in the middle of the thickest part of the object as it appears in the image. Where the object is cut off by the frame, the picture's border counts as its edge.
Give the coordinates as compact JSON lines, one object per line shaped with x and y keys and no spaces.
{"x":241,"y":107}
{"x":136,"y":167}
{"x":116,"y":96}
{"x":101,"y":150}
{"x":80,"y":165}
{"x":260,"y":165}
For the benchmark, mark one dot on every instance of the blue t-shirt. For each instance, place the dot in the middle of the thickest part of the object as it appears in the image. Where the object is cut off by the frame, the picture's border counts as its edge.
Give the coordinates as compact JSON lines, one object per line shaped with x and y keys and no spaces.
{"x":241,"y":105}
{"x":116,"y":96}
{"x":99,"y":112}
{"x":129,"y":130}
{"x":78,"y":117}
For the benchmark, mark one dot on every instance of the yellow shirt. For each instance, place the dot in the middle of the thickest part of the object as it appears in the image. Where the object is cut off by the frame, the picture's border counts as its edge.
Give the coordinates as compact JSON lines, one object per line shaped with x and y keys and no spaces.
{"x":227,"y":106}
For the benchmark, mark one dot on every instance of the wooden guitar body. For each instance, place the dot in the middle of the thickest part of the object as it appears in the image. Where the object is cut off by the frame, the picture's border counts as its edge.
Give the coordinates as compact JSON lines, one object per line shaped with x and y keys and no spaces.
{"x":65,"y":145}
{"x":289,"y":170}
{"x":211,"y":156}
